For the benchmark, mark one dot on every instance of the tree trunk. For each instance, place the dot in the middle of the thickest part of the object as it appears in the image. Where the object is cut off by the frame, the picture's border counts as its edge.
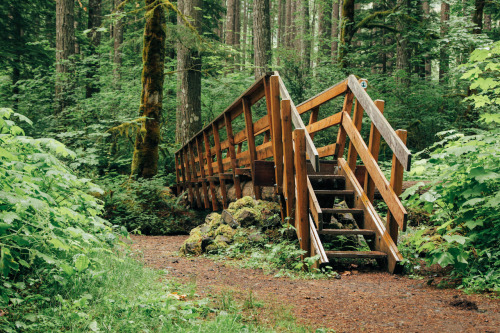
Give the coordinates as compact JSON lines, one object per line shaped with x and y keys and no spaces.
{"x":117,"y":42}
{"x":94,"y":22}
{"x":443,"y":54}
{"x":281,"y":23}
{"x":145,"y":159}
{"x":262,"y":37}
{"x":402,"y":44}
{"x":189,"y":75}
{"x":427,"y":10}
{"x":246,"y":4}
{"x":304,"y":34}
{"x":324,"y":27}
{"x":335,"y":29}
{"x":65,"y":48}
{"x":477,"y":16}
{"x":237,"y":31}
{"x":230,"y":20}
{"x":346,"y":31}
{"x":288,"y":23}
{"x":487,"y":22}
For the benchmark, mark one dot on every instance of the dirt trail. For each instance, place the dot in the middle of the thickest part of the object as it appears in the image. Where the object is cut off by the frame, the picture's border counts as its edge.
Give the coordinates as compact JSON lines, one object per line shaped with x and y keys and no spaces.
{"x":364,"y":302}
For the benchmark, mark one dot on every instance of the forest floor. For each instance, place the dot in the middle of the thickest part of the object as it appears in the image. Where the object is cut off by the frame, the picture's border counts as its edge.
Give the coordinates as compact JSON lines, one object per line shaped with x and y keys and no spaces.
{"x":358,"y":302}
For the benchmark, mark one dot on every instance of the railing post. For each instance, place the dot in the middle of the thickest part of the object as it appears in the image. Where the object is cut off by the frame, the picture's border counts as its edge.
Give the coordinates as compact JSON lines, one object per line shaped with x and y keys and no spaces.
{"x":342,"y":135}
{"x":232,"y":154}
{"x":357,"y":119}
{"x":288,"y":178}
{"x":302,"y":200}
{"x":194,"y":175}
{"x":397,"y":185}
{"x":276,"y":134}
{"x":374,"y":147}
{"x":247,"y":111}
{"x":210,"y":170}
{"x":201,"y":163}
{"x":177,"y":176}
{"x":220,"y":165}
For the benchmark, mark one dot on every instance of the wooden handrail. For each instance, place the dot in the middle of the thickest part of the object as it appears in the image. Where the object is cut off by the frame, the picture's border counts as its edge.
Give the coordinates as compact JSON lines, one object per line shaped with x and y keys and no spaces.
{"x":323,"y":97}
{"x":312,"y":152}
{"x":393,"y":141}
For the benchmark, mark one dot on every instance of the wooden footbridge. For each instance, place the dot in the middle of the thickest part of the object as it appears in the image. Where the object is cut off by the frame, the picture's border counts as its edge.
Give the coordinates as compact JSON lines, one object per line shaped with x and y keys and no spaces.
{"x":315,"y":185}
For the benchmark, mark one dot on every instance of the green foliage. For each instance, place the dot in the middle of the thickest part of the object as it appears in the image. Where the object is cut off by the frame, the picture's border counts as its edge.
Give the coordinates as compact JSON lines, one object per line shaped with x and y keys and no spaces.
{"x":144,"y":205}
{"x":464,"y":201}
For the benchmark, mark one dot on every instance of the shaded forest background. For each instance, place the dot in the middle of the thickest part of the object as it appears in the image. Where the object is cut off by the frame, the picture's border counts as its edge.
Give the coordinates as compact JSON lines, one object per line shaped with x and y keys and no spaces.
{"x":74,"y":67}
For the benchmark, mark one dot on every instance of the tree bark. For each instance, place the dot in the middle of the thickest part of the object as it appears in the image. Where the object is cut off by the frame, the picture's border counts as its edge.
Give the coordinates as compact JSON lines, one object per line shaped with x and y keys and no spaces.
{"x":477,"y":16}
{"x":246,"y":4}
{"x":262,"y":37}
{"x":324,"y":27}
{"x":347,"y":31}
{"x":288,"y":23}
{"x":117,"y":42}
{"x":94,"y":22}
{"x":487,"y":22}
{"x":189,"y":75}
{"x":237,"y":31}
{"x":427,"y":10}
{"x":281,"y":23}
{"x":335,"y":29}
{"x":304,"y":34}
{"x":145,"y":158}
{"x":402,"y":56}
{"x":65,"y":48}
{"x":443,"y":54}
{"x":230,"y":20}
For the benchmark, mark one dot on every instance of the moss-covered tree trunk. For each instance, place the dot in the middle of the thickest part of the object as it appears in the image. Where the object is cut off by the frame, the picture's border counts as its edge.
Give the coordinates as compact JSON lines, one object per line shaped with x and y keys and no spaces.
{"x":145,"y":159}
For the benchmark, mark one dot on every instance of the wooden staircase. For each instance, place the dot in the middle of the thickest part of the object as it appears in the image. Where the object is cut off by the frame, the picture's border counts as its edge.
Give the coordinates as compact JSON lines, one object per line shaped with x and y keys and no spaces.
{"x":315,"y":185}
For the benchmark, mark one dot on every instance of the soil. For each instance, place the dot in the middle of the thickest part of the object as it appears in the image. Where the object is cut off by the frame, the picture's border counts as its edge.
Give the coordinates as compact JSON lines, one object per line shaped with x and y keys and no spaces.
{"x":358,"y":302}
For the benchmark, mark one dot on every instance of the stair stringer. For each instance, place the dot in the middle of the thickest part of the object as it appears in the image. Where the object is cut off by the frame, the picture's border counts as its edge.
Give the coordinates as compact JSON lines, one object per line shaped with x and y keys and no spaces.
{"x":383,"y":241}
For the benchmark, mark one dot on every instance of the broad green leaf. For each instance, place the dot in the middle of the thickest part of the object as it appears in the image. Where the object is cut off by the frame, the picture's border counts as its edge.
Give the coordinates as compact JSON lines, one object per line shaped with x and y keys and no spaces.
{"x":81,"y":262}
{"x":455,"y":239}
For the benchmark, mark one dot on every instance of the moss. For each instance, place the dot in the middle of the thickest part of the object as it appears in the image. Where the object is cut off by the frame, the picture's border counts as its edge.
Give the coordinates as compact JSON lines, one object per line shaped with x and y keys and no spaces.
{"x":225,"y":231}
{"x":238,"y":204}
{"x":192,"y":245}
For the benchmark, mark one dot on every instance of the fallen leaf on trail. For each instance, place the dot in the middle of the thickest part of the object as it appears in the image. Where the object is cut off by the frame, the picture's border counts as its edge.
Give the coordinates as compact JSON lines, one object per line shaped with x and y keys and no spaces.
{"x":177,"y":296}
{"x":346,"y":273}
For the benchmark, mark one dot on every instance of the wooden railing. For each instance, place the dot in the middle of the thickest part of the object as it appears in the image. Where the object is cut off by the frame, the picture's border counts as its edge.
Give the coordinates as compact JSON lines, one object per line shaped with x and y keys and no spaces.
{"x":206,"y":160}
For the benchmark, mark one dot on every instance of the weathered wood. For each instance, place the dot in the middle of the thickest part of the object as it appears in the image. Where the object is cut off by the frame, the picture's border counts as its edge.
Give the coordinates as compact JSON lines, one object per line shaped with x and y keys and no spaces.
{"x":314,"y":206}
{"x":199,"y":150}
{"x":247,"y":111}
{"x":383,"y":242}
{"x":220,"y":167}
{"x":232,"y":154}
{"x":184,"y":177}
{"x":342,"y":135}
{"x":390,"y":197}
{"x":338,"y":232}
{"x":194,"y":177}
{"x":374,"y":147}
{"x":397,"y":171}
{"x":353,"y":211}
{"x":316,"y":241}
{"x":312,"y":119}
{"x":276,"y":137}
{"x":264,"y":173}
{"x":323,"y":97}
{"x":210,"y":171}
{"x":302,"y":198}
{"x":330,"y":150}
{"x":356,"y":254}
{"x":357,"y":119}
{"x":177,"y":176}
{"x":312,"y":153}
{"x":324,"y":123}
{"x":288,"y":177}
{"x":393,"y":141}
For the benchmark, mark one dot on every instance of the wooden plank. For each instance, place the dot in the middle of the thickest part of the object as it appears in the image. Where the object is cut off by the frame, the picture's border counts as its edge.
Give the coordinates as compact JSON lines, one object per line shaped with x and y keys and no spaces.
{"x":255,"y":92}
{"x":374,"y":148}
{"x":264,"y":173}
{"x":342,"y":135}
{"x":194,"y":177}
{"x":302,"y":198}
{"x":356,"y":254}
{"x":397,"y":171}
{"x":353,"y":211}
{"x":324,"y":123}
{"x":330,"y":150}
{"x":390,"y":197}
{"x":323,"y":97}
{"x":288,"y":176}
{"x":314,"y":206}
{"x":393,"y":141}
{"x":338,"y":232}
{"x":357,"y":119}
{"x":252,"y":152}
{"x":318,"y":246}
{"x":261,"y":125}
{"x":177,"y":175}
{"x":232,"y":154}
{"x":206,"y":139}
{"x":276,"y":137}
{"x":220,"y":166}
{"x":312,"y":119}
{"x":184,"y":178}
{"x":383,"y":242}
{"x":312,"y":153}
{"x":199,"y":150}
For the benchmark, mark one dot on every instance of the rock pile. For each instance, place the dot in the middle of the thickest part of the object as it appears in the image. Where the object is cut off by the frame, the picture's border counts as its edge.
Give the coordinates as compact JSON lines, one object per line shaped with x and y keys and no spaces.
{"x":246,"y":214}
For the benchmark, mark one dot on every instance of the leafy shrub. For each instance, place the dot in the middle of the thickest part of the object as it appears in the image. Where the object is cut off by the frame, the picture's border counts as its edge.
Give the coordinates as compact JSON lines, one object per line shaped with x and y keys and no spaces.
{"x":145,"y":205}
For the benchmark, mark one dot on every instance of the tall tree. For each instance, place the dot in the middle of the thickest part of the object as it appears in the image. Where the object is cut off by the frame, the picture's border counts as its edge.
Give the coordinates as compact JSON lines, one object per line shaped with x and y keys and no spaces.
{"x":304,"y":33}
{"x":477,"y":16}
{"x":145,"y":158}
{"x":65,"y":48}
{"x":262,"y":37}
{"x":189,"y":73}
{"x":94,"y":23}
{"x":230,"y":22}
{"x":443,"y":53}
{"x":324,"y":27}
{"x":117,"y":41}
{"x":335,"y":28}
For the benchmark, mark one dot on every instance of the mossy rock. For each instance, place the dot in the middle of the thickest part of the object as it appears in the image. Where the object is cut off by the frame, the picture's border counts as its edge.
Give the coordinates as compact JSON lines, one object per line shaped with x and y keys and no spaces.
{"x":226,"y":231}
{"x":193,"y":245}
{"x":241,"y":203}
{"x":247,"y":217}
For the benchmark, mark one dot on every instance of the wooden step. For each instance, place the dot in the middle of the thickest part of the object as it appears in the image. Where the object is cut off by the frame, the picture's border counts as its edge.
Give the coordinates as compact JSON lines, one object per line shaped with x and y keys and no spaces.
{"x":364,"y":232}
{"x":356,"y":254}
{"x":334,"y":192}
{"x":353,"y":211}
{"x":326,"y":177}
